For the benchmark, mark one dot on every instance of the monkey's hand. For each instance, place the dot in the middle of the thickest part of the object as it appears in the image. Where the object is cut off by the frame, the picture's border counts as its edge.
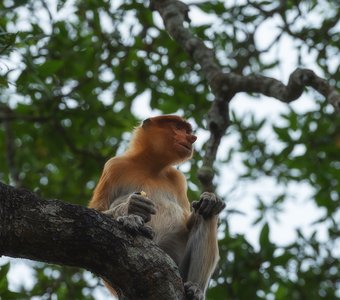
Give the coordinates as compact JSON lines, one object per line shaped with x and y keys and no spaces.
{"x":209,"y":205}
{"x":135,"y":225}
{"x":192,"y":291}
{"x":140,"y":205}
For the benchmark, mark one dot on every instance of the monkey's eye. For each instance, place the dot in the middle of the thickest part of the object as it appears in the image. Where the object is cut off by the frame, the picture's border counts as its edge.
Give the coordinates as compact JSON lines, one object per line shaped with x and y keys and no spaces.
{"x":181,"y":127}
{"x":178,"y":126}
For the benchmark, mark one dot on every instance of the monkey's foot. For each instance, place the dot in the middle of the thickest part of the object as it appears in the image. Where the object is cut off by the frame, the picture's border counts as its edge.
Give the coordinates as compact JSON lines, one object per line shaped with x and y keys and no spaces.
{"x":209,"y":205}
{"x":192,"y":291}
{"x":135,"y":225}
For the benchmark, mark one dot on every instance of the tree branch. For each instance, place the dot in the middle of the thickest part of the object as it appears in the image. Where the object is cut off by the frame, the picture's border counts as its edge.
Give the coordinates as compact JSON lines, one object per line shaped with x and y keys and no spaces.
{"x":225,"y":85}
{"x":271,"y":87}
{"x":56,"y":232}
{"x":175,"y":13}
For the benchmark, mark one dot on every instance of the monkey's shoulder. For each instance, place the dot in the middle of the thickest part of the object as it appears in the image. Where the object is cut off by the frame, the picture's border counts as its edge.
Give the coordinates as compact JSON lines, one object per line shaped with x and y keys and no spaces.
{"x":119,"y":166}
{"x":116,"y":162}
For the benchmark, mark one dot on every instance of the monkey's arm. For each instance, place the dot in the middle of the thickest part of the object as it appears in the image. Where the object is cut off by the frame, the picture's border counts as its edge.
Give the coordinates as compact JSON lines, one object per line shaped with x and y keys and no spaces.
{"x":133,"y":211}
{"x":135,"y":204}
{"x":115,"y":196}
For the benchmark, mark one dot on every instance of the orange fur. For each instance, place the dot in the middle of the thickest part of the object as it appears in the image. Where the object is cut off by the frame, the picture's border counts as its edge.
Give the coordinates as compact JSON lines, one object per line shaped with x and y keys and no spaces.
{"x":147,"y":164}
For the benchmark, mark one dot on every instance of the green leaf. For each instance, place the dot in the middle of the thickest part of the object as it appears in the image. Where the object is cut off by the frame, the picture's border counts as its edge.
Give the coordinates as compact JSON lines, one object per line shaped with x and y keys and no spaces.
{"x":7,"y":41}
{"x":3,"y":82}
{"x":3,"y":277}
{"x":282,"y":133}
{"x":264,"y":236}
{"x":4,"y":270}
{"x":50,"y":67}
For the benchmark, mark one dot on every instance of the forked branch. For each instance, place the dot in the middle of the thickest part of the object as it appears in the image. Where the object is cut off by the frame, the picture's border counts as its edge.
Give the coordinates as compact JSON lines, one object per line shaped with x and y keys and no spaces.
{"x":225,"y":85}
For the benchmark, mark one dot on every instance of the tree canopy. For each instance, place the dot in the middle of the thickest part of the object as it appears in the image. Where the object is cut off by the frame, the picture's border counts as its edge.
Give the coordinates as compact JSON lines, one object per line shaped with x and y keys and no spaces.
{"x":77,"y":76}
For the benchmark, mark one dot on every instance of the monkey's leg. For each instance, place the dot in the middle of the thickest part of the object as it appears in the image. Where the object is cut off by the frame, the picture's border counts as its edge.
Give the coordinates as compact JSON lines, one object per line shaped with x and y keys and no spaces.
{"x":201,"y":254}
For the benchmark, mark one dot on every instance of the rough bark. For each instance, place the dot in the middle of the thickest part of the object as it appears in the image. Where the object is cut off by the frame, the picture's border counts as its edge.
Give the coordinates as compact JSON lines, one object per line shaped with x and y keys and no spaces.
{"x":56,"y":232}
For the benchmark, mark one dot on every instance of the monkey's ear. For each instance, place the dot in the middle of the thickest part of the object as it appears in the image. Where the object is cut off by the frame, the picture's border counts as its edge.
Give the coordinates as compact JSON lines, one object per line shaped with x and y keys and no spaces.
{"x":146,"y":122}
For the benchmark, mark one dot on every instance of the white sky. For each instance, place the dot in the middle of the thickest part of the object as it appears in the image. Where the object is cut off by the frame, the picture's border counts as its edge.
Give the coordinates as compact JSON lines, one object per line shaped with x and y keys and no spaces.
{"x":298,"y":213}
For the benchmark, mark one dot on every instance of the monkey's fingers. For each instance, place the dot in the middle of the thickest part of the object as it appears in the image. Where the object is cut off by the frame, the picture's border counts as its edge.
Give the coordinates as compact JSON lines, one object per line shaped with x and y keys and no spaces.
{"x":206,"y":198}
{"x":196,"y":205}
{"x":208,"y":195}
{"x":207,"y":212}
{"x":145,"y":214}
{"x":147,"y":231}
{"x":211,"y":210}
{"x":192,"y":291}
{"x":204,"y":205}
{"x":140,"y":197}
{"x":134,"y":224}
{"x":210,"y":206}
{"x":219,"y":207}
{"x":141,"y":203}
{"x":131,"y":222}
{"x":143,"y":207}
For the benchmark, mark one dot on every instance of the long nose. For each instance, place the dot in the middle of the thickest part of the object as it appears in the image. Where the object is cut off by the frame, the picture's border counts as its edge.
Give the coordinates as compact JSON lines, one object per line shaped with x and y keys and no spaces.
{"x":192,"y":138}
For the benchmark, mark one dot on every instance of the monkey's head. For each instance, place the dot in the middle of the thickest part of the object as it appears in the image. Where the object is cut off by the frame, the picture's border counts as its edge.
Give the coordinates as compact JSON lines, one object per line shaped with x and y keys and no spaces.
{"x":168,"y":139}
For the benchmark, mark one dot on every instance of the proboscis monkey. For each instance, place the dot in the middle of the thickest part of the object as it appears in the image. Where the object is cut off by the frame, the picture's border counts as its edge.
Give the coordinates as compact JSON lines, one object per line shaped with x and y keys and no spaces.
{"x":143,"y":187}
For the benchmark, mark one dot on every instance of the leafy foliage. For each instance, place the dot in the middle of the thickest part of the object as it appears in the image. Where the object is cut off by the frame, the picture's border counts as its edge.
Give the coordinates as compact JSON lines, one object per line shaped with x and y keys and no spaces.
{"x":72,"y":76}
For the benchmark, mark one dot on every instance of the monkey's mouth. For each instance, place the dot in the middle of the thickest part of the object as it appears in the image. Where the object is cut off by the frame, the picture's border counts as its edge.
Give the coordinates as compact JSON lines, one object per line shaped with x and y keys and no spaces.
{"x":186,"y":146}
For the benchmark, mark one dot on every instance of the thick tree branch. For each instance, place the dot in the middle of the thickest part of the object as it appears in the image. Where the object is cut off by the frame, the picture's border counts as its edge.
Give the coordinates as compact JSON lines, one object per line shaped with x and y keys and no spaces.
{"x":218,"y":122}
{"x":225,"y":85}
{"x":175,"y":13}
{"x":56,"y":232}
{"x":271,"y":87}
